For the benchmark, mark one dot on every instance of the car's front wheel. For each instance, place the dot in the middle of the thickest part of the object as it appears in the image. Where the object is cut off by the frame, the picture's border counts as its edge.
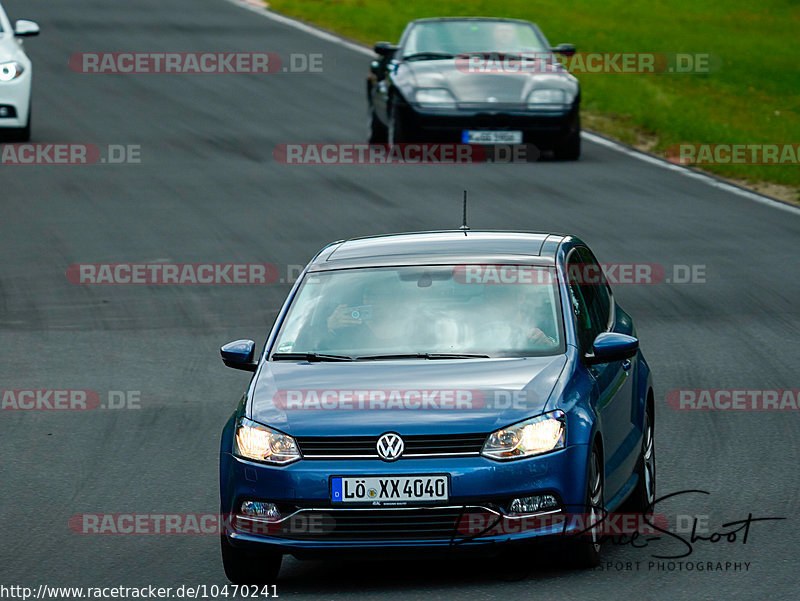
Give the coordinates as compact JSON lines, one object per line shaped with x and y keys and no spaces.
{"x":250,"y":567}
{"x":569,"y":149}
{"x":399,"y":129}
{"x":644,"y":495}
{"x":584,"y":550}
{"x":376,"y":131}
{"x":19,"y":134}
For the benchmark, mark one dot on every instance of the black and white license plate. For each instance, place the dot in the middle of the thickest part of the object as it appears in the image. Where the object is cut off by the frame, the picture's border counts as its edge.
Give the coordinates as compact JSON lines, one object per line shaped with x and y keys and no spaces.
{"x":365,"y":489}
{"x":480,"y":136}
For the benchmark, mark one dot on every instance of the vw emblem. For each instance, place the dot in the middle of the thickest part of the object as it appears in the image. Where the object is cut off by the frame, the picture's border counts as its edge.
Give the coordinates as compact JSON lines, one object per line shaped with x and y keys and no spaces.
{"x":390,"y":446}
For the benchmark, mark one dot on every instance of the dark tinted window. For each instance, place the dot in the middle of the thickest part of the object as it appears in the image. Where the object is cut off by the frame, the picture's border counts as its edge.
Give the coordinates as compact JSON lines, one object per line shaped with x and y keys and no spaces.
{"x":591,"y":300}
{"x":580,"y":308}
{"x":596,"y":290}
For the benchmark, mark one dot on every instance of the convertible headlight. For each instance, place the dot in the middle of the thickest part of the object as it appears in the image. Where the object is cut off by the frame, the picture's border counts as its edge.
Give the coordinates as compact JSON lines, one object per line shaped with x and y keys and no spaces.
{"x":547,"y":96}
{"x":435,"y":97}
{"x":532,"y":437}
{"x":9,"y":71}
{"x":260,"y":443}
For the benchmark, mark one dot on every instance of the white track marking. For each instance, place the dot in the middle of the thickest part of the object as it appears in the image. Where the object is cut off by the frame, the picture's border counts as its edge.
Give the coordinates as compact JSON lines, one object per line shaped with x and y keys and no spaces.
{"x":257,"y":7}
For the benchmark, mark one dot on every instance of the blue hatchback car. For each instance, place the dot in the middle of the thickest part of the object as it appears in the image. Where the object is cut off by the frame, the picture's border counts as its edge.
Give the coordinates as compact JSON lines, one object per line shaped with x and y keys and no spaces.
{"x":437,"y":391}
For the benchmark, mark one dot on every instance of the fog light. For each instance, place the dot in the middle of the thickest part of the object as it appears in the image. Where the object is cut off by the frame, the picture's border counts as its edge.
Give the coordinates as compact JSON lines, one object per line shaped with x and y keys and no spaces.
{"x":533,"y":504}
{"x":259,"y":509}
{"x":4,"y":112}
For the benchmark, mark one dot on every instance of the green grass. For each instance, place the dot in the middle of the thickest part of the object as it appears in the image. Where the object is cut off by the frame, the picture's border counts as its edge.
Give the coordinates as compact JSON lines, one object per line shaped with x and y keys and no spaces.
{"x":753,"y":97}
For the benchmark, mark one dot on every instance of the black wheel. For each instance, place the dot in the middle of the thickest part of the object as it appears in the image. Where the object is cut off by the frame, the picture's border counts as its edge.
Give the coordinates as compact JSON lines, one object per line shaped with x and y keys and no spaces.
{"x":643,"y":496}
{"x":569,"y":149}
{"x":584,"y":550}
{"x":399,"y":131}
{"x":250,"y":567}
{"x":22,"y":134}
{"x":376,"y":131}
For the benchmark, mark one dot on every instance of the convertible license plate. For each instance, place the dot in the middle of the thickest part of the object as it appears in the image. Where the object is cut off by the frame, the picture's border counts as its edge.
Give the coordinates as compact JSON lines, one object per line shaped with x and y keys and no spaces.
{"x":365,"y":489}
{"x":469,"y":136}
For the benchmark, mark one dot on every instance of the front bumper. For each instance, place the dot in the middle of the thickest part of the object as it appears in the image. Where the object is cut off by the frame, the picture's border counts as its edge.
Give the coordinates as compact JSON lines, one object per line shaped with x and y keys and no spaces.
{"x":475,"y":516}
{"x":544,"y":128}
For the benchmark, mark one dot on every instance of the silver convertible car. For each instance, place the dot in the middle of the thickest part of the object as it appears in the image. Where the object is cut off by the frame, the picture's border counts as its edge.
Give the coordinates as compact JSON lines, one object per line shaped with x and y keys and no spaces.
{"x":474,"y":81}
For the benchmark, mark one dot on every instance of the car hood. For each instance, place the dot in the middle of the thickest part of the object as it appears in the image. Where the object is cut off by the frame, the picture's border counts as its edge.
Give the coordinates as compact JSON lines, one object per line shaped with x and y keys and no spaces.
{"x":479,"y":88}
{"x":496,"y":393}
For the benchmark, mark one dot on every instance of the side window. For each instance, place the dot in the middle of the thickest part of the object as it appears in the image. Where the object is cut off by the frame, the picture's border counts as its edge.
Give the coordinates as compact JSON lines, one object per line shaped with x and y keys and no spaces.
{"x":596,"y":291}
{"x":580,"y":307}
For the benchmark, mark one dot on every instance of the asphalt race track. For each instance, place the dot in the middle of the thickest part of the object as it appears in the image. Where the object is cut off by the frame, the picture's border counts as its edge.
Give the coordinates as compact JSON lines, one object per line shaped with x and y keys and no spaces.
{"x":209,"y":190}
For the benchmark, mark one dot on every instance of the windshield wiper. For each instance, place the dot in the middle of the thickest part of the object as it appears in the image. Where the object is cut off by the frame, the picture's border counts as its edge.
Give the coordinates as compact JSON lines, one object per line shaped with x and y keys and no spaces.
{"x":310,"y":357}
{"x":499,"y":55}
{"x":427,"y":56}
{"x":422,"y":356}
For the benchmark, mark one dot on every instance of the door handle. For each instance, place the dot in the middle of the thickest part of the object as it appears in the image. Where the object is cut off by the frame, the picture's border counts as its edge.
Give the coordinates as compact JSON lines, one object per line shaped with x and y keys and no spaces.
{"x":626,"y":365}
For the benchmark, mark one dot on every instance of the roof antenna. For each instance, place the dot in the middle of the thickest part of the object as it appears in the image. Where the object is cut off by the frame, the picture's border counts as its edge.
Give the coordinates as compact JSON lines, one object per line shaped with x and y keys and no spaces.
{"x":464,"y":227}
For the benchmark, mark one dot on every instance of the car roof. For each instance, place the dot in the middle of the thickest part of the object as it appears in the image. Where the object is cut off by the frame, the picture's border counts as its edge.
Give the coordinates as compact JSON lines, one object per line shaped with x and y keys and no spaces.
{"x":440,"y":247}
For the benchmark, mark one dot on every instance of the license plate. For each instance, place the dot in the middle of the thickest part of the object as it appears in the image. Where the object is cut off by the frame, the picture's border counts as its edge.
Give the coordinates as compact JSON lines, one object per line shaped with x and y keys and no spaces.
{"x":469,"y":136}
{"x":366,"y":489}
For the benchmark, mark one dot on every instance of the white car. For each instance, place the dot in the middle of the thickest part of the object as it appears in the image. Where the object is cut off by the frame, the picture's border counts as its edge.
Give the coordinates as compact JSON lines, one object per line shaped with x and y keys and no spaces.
{"x":16,"y":74}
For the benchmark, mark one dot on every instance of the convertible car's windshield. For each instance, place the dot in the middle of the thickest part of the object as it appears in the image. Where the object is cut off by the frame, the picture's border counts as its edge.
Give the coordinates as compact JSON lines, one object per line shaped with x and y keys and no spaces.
{"x":424,"y":309}
{"x":463,"y":37}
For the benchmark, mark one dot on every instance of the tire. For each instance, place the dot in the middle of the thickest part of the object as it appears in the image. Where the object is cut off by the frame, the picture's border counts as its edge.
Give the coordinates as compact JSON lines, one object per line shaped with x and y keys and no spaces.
{"x":17,"y":134}
{"x":399,"y":132}
{"x":644,"y":495}
{"x":583,"y":551}
{"x":569,"y":149}
{"x":376,"y":131}
{"x":24,"y":134}
{"x":250,"y":567}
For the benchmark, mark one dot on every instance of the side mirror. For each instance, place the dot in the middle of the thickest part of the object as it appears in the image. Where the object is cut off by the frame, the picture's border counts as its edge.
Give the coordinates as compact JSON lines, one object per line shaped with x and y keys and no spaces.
{"x":239,"y":355}
{"x":612,"y":346}
{"x":565,"y":49}
{"x":25,"y":29}
{"x":385,"y":48}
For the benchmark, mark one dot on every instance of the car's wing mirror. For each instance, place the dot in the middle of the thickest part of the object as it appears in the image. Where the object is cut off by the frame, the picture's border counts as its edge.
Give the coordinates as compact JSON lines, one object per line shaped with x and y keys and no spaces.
{"x":385,"y":48}
{"x":25,"y":29}
{"x":239,"y":355}
{"x":565,"y":49}
{"x":612,"y":346}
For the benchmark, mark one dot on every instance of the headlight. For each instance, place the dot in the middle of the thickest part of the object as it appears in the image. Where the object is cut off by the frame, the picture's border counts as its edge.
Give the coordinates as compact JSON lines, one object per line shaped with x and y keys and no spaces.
{"x":547,"y":96}
{"x":532,"y":437}
{"x":436,"y":97}
{"x":9,"y":71}
{"x":260,"y":443}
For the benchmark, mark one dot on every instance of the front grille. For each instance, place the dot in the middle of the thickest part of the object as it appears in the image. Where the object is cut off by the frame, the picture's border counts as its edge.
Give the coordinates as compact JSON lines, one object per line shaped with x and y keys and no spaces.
{"x":375,"y":524}
{"x":364,"y":447}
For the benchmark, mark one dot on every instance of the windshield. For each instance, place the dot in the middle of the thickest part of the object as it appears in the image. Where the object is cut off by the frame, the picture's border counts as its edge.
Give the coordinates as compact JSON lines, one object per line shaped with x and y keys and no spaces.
{"x":463,"y":37}
{"x":422,"y":310}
